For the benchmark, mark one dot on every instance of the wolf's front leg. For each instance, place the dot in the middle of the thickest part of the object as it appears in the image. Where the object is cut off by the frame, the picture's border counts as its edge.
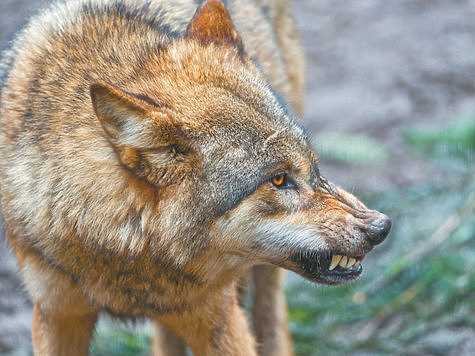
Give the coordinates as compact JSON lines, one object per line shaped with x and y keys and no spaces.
{"x":270,"y":312}
{"x":61,"y":333}
{"x":215,"y":329}
{"x":63,"y":318}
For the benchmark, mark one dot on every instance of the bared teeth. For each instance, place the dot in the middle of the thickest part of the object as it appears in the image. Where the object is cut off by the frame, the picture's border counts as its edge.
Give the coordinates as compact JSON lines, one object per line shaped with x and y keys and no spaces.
{"x":343,"y":261}
{"x":335,"y":260}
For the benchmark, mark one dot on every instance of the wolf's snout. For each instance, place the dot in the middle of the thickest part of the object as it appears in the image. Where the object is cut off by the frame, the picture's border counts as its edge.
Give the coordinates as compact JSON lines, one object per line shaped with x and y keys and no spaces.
{"x":378,"y":229}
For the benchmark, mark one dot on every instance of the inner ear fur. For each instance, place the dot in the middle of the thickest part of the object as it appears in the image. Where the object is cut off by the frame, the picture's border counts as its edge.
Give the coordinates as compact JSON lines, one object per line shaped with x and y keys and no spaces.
{"x":123,"y":116}
{"x":133,"y":120}
{"x":212,"y":24}
{"x":143,"y":134}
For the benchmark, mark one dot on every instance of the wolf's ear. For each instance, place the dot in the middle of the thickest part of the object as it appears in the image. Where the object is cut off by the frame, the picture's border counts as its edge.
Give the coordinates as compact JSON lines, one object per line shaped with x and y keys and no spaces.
{"x":146,"y":137}
{"x":122,"y":115}
{"x":212,"y":24}
{"x":131,"y":120}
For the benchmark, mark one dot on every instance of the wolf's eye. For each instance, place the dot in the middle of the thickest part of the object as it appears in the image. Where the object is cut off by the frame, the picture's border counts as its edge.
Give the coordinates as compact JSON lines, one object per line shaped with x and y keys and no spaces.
{"x":281,"y":181}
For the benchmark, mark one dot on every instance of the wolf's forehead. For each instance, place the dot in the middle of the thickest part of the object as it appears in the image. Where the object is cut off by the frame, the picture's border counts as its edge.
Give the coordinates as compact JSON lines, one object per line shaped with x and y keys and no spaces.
{"x":236,"y":92}
{"x":254,"y":115}
{"x":243,"y":138}
{"x":233,"y":111}
{"x":259,"y":151}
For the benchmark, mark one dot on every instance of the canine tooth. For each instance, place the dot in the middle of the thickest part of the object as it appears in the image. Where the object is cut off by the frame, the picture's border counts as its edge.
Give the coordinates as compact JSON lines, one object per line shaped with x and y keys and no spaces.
{"x":335,"y":260}
{"x":351,"y":262}
{"x":343,"y":261}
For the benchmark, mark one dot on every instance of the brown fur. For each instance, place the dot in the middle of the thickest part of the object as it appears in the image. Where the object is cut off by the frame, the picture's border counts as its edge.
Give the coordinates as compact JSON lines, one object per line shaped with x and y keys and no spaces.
{"x":136,"y":160}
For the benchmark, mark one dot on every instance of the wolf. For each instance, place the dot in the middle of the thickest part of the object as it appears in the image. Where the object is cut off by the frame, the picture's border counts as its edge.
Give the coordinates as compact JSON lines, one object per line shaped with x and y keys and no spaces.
{"x":150,"y":156}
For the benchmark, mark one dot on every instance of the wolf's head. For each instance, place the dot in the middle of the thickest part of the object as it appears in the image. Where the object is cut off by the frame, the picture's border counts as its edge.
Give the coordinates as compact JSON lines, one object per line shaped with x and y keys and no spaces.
{"x":234,"y":171}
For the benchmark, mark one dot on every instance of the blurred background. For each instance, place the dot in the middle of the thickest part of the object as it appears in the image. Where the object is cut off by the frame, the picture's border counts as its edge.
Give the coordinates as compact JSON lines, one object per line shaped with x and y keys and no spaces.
{"x":391,"y":102}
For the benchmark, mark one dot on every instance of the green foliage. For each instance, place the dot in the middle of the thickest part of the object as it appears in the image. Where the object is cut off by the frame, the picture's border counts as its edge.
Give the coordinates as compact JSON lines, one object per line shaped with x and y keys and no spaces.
{"x":457,"y":139}
{"x":119,"y":340}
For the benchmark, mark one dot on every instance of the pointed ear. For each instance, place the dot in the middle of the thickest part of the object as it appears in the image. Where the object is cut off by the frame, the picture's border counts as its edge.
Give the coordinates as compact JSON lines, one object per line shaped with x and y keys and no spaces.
{"x":145,"y":136}
{"x":128,"y":119}
{"x":212,"y":24}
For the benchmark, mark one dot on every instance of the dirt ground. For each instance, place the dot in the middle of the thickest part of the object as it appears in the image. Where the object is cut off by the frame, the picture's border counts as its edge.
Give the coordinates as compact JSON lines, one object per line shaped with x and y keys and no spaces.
{"x":373,"y":67}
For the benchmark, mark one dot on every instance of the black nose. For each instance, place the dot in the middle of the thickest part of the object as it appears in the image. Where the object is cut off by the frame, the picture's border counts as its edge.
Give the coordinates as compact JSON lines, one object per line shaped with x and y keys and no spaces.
{"x":378,"y":229}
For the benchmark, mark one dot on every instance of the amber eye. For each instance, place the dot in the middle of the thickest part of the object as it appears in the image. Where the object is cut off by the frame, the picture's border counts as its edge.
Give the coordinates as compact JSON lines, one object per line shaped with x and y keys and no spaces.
{"x":280,"y":180}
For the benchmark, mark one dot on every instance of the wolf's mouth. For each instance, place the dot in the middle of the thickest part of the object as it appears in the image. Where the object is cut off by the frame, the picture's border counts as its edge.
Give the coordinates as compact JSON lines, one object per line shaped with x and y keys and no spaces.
{"x":329,"y":268}
{"x":340,"y":269}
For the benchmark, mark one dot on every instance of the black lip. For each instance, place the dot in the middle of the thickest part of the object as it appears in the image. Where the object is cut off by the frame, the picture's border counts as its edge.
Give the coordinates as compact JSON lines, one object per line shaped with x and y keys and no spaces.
{"x":315,"y":267}
{"x":341,"y":275}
